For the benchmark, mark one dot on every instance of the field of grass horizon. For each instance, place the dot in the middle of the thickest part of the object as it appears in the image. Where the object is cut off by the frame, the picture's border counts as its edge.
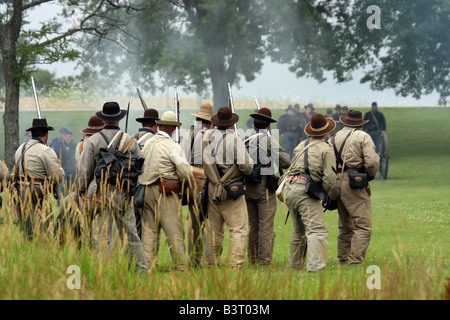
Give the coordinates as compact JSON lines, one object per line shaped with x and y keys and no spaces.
{"x":409,"y":242}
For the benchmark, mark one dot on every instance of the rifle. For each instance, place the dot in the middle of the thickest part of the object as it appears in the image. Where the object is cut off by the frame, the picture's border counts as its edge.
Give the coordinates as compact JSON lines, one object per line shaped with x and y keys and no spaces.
{"x":142,"y":100}
{"x":231,"y":104}
{"x":36,"y":101}
{"x":177,"y":114}
{"x":126,"y":121}
{"x":38,"y":109}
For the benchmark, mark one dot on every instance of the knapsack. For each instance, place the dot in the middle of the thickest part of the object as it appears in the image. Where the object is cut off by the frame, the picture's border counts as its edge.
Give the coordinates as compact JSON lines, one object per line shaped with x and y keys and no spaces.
{"x":118,"y":167}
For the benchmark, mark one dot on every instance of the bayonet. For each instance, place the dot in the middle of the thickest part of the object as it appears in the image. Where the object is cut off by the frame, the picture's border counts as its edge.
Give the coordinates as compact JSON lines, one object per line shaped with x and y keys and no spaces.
{"x":36,"y":101}
{"x":177,"y":114}
{"x":231,"y":104}
{"x":126,"y":121}
{"x":142,"y":100}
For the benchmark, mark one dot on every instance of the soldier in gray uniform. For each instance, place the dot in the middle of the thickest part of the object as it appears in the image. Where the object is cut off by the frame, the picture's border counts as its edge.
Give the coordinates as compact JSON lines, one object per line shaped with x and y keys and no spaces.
{"x":149,"y":126}
{"x":115,"y":201}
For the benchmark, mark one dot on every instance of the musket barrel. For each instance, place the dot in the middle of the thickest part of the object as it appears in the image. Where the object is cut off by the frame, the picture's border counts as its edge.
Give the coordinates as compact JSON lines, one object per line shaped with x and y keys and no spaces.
{"x":177,"y":114}
{"x":36,"y":101}
{"x":144,"y":105}
{"x":230,"y":97}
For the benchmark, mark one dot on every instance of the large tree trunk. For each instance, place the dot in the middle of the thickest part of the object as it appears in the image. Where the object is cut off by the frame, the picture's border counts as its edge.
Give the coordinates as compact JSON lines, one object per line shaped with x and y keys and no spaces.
{"x":11,"y":119}
{"x":9,"y":35}
{"x":219,"y":78}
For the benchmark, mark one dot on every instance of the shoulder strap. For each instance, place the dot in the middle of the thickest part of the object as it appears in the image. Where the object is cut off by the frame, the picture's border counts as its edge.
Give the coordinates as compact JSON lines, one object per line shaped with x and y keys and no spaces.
{"x":298,"y":155}
{"x":142,"y":138}
{"x":22,"y":158}
{"x":105,"y":138}
{"x":191,"y":153}
{"x":81,"y":146}
{"x":128,"y":145}
{"x":305,"y":161}
{"x":339,"y":153}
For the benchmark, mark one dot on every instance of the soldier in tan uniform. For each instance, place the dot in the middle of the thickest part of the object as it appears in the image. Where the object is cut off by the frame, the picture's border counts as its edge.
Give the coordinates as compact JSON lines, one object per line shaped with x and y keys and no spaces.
{"x":307,"y":214}
{"x":147,"y":131}
{"x":193,"y":150}
{"x":165,"y":168}
{"x":354,"y":205}
{"x":115,"y":200}
{"x":38,"y":172}
{"x":226,"y":161}
{"x":260,"y":187}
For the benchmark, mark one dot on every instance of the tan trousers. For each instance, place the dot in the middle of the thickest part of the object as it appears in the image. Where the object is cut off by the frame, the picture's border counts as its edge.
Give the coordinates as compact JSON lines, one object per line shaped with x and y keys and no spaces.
{"x":261,"y":206}
{"x":120,"y":210}
{"x":310,"y":229}
{"x":234,"y":214}
{"x":163,"y":211}
{"x":355,"y":223}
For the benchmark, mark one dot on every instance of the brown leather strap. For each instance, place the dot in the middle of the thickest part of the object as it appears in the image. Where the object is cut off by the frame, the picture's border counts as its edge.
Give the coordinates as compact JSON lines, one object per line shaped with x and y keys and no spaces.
{"x":128,"y":145}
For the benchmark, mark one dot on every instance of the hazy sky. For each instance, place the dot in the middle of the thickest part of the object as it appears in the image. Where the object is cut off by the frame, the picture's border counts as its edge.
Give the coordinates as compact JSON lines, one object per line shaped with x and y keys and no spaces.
{"x":277,"y":83}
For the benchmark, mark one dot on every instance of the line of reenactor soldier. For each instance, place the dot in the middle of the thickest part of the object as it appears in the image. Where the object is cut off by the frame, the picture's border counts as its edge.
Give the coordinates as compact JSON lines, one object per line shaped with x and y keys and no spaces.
{"x":221,"y":178}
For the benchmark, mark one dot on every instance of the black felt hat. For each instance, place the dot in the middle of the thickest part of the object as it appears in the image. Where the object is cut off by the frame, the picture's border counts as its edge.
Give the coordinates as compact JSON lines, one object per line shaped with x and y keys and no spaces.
{"x":40,"y":124}
{"x":111,"y":112}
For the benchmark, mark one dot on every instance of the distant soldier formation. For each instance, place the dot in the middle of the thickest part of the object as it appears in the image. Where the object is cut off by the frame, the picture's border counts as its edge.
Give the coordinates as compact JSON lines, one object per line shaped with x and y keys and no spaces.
{"x":136,"y":185}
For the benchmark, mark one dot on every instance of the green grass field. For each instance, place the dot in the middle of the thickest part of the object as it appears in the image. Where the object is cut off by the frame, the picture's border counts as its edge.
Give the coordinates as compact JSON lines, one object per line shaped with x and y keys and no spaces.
{"x":409,"y":243}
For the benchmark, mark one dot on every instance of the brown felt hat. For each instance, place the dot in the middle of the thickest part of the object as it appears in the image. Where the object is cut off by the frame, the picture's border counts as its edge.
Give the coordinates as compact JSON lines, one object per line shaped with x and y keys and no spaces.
{"x":205,"y":112}
{"x":353,"y":119}
{"x":149,"y":114}
{"x":94,"y":125}
{"x":224,"y":117}
{"x":263,"y":114}
{"x":319,"y":126}
{"x":40,"y":124}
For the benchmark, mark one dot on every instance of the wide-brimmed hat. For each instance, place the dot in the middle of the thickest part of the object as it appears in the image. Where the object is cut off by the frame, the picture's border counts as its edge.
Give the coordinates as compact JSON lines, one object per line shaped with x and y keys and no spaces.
{"x":224,"y":117}
{"x":263,"y":114}
{"x":40,"y":124}
{"x":319,"y":126}
{"x":168,"y":119}
{"x":111,"y":112}
{"x":149,"y":114}
{"x":205,"y":112}
{"x":353,"y":119}
{"x":290,"y":107}
{"x":94,"y":125}
{"x":310,"y":105}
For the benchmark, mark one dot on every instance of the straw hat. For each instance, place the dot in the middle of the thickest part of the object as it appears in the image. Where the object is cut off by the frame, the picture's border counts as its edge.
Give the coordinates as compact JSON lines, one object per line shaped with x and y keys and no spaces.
{"x":353,"y":119}
{"x":205,"y":112}
{"x":169,"y":119}
{"x":319,"y":126}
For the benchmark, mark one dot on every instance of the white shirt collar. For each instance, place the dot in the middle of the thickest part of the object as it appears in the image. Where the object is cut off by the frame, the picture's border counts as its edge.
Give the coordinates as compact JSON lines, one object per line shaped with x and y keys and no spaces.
{"x":162,"y":133}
